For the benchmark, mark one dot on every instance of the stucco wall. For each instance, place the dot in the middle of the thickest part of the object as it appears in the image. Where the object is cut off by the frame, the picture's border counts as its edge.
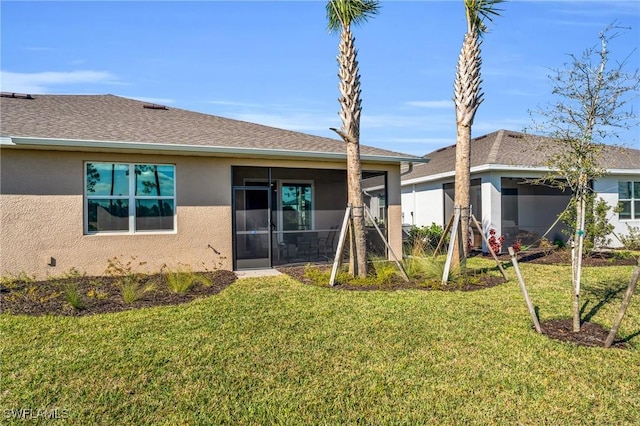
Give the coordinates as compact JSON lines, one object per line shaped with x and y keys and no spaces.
{"x":42,"y":216}
{"x":42,"y":211}
{"x":422,"y":204}
{"x":607,"y":189}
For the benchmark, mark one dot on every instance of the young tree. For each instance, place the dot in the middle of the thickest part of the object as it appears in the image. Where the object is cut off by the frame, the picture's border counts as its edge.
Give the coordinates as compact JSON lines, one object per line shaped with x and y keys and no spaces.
{"x":341,"y":14}
{"x":593,"y":104}
{"x":468,"y":97}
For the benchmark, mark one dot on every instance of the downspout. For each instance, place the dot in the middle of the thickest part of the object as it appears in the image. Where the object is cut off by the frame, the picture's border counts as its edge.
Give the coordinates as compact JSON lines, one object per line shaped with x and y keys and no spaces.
{"x":406,"y":172}
{"x":409,"y":170}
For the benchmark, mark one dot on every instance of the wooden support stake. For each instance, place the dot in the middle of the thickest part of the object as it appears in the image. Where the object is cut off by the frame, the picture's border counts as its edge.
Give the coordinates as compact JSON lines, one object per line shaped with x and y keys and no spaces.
{"x":532,"y":311}
{"x":343,"y":233}
{"x":395,"y":258}
{"x":452,"y":241}
{"x":623,"y":307}
{"x":486,"y":241}
{"x":444,"y":235}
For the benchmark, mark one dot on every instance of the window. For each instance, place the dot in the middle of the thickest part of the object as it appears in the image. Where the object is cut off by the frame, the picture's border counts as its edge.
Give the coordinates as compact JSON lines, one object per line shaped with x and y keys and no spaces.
{"x":128,"y":198}
{"x":296,"y":206}
{"x":629,"y":200}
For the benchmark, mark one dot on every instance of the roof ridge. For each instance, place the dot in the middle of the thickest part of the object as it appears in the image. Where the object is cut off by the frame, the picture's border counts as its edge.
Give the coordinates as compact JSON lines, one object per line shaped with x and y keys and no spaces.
{"x":495,"y":148}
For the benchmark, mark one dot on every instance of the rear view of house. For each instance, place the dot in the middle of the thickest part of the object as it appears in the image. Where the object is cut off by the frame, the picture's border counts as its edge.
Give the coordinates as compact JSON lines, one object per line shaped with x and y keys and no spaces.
{"x":88,"y":178}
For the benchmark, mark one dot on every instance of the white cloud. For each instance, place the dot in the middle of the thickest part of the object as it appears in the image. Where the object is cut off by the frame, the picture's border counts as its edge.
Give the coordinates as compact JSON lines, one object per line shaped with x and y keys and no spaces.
{"x":446,"y":103}
{"x":43,"y":82}
{"x":430,"y":121}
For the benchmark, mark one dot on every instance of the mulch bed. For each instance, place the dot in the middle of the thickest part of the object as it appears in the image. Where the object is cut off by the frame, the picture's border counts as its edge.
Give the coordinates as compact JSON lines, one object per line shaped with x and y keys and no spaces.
{"x":563,"y":257}
{"x":101,"y":295}
{"x":591,"y":335}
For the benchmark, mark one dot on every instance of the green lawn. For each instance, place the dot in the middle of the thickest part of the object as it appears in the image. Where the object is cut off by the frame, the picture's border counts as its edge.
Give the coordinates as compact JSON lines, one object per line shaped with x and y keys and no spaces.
{"x":274,"y":351}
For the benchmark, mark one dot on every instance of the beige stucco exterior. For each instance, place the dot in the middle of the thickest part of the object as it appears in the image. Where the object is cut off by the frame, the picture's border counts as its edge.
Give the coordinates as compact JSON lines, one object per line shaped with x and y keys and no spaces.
{"x":42,"y":229}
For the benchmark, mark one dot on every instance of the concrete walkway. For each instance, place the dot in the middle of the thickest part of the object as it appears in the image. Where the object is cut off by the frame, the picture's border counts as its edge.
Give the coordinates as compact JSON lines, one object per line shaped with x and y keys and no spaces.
{"x":253,"y":273}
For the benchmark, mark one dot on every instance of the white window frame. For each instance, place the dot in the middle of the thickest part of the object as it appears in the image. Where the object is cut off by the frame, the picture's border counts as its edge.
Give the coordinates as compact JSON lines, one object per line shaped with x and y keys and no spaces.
{"x":635,"y":215}
{"x":131,"y":198}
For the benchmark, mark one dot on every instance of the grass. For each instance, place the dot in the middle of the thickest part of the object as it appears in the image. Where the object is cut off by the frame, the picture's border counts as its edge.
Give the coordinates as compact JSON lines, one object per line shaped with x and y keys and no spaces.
{"x":72,"y":296}
{"x":181,"y":281}
{"x":274,"y":351}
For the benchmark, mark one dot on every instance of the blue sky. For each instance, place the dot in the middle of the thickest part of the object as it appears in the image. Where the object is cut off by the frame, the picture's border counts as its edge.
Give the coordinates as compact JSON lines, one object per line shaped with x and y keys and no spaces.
{"x":274,"y":62}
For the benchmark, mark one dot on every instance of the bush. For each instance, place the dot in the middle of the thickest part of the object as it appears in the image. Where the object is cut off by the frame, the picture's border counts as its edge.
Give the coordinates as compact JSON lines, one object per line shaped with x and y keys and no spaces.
{"x":631,"y":241}
{"x":425,"y":238}
{"x":495,"y":243}
{"x":597,"y":226}
{"x":131,"y":283}
{"x":72,"y":295}
{"x":183,"y":280}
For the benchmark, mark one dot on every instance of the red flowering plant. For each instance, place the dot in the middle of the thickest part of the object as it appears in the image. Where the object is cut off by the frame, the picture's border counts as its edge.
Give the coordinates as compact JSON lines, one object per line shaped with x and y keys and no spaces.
{"x":495,"y":243}
{"x":517,"y":246}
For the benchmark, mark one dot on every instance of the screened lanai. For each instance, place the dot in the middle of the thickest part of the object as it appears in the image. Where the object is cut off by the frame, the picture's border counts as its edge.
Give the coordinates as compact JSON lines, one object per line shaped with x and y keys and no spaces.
{"x":289,"y":215}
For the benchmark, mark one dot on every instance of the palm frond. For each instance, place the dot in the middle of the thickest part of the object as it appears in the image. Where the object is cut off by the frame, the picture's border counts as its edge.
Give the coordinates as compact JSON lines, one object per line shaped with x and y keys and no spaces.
{"x":480,"y":10}
{"x":344,"y":13}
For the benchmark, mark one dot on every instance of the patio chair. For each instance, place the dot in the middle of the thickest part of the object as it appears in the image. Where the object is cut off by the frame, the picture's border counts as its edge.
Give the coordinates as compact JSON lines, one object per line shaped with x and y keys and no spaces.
{"x":326,"y":244}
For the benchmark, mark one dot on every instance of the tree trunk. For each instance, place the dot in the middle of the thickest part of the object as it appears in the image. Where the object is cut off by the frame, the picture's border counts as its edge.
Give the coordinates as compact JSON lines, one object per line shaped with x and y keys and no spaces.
{"x":355,"y":197}
{"x":467,"y":98}
{"x":462,"y":185}
{"x":576,"y":260}
{"x":350,"y":114}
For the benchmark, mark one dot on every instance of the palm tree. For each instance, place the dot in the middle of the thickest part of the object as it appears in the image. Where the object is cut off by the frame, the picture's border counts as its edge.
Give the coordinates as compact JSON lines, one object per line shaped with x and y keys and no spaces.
{"x":341,"y":14}
{"x":467,"y":98}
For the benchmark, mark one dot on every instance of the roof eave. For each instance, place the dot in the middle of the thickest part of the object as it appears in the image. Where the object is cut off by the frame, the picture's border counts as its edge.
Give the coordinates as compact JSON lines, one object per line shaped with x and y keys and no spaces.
{"x":476,"y":169}
{"x":175,"y":149}
{"x":504,"y":168}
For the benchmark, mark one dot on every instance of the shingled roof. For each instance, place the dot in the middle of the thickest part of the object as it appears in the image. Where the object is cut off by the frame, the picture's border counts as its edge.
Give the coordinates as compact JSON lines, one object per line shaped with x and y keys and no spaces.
{"x":109,"y":118}
{"x":505,"y":148}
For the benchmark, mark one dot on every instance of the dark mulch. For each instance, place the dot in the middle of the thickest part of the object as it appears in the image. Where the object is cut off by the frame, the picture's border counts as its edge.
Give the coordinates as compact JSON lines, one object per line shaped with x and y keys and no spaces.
{"x":101,"y":295}
{"x":592,"y":335}
{"x":563,"y":257}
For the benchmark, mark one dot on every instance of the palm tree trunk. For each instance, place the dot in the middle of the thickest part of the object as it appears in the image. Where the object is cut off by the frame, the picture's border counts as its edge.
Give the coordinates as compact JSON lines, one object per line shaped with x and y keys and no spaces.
{"x":462,"y":185}
{"x":467,"y":97}
{"x":355,"y":195}
{"x":350,"y":113}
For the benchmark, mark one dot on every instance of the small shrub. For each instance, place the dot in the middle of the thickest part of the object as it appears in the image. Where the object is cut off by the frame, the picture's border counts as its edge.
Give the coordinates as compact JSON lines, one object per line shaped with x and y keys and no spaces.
{"x":385,"y":271}
{"x":425,"y":237}
{"x":11,"y":281}
{"x":183,"y":280}
{"x":597,"y":225}
{"x":517,"y":246}
{"x":130,"y":282}
{"x":134,"y":289}
{"x":495,"y":243}
{"x":631,"y":241}
{"x":95,"y":292}
{"x":72,"y":296}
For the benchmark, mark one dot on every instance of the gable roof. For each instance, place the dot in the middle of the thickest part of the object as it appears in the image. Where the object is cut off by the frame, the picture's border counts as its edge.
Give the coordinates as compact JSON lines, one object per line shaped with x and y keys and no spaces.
{"x":108,"y":121}
{"x":505,"y":149}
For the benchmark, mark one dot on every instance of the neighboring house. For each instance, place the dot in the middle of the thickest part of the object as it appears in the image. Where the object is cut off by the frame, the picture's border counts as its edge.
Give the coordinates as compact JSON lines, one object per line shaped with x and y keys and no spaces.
{"x":85,"y":179}
{"x":501,"y":199}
